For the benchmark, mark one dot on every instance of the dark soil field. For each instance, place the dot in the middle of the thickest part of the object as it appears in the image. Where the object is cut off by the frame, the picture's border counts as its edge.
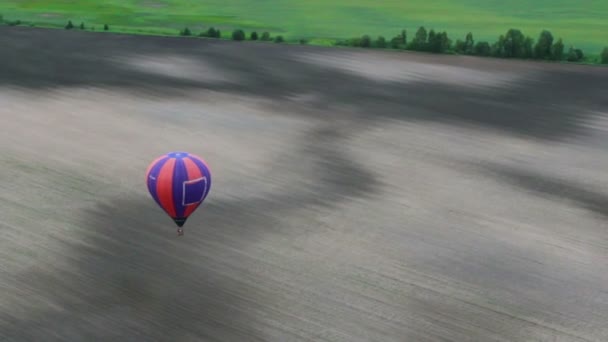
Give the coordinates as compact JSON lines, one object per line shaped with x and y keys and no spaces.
{"x":357,"y":195}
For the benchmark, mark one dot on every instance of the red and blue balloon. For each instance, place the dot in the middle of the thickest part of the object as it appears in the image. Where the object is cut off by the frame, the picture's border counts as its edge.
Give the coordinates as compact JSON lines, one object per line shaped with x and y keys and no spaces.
{"x":179,"y":182}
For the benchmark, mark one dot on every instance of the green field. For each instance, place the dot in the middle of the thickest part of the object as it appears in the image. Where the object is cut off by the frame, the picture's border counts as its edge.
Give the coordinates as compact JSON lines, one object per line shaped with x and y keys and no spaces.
{"x":583,"y":23}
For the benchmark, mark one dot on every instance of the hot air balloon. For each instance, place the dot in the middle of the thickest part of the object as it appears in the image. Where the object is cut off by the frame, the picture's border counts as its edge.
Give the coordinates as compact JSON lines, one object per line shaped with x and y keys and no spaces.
{"x":179,"y":182}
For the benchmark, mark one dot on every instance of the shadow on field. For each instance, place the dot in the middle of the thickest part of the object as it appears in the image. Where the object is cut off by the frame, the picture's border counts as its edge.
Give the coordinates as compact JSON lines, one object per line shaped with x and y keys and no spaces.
{"x":551,"y":106}
{"x":550,"y":187}
{"x":131,"y":279}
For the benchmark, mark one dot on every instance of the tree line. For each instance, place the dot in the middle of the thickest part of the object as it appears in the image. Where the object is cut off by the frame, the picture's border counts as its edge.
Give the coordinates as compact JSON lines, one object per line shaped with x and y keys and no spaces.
{"x":211,"y":32}
{"x":71,"y":26}
{"x":237,"y":34}
{"x":512,"y":44}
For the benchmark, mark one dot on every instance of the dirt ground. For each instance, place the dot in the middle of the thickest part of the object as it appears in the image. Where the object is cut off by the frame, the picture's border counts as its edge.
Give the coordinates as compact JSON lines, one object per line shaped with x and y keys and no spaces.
{"x":357,"y":195}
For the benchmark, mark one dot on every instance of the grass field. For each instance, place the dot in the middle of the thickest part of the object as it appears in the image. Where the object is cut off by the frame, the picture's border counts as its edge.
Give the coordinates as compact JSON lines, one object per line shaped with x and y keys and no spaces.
{"x":579,"y":23}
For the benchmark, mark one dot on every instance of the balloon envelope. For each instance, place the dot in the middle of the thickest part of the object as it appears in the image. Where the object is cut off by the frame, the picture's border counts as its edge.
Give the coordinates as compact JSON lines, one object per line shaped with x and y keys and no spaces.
{"x":179,"y":182}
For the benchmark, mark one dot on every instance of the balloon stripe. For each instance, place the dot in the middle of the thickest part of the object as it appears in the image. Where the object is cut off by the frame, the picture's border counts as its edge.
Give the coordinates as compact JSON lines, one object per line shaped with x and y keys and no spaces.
{"x":204,"y":170}
{"x":193,"y":173}
{"x":200,"y":159}
{"x":179,"y":176}
{"x":153,"y":164}
{"x":164,"y":187}
{"x":152,"y":177}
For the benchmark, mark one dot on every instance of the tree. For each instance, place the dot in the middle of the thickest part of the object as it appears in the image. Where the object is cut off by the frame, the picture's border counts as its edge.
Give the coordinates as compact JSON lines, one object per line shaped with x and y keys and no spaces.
{"x":396,"y":42}
{"x":571,"y":56}
{"x":211,"y":32}
{"x":254,"y":35}
{"x":365,"y":41}
{"x":399,"y":41}
{"x":238,"y":35}
{"x":513,"y":45}
{"x":106,"y":27}
{"x":432,"y":44}
{"x":420,"y":39}
{"x":438,"y":42}
{"x":469,"y":44}
{"x":185,"y":32}
{"x":574,"y":55}
{"x":381,"y":42}
{"x":459,"y":47}
{"x":542,"y":50}
{"x":557,"y":50}
{"x":265,"y":36}
{"x":528,"y":51}
{"x":279,"y":39}
{"x":445,"y":42}
{"x":303,"y":41}
{"x":604,"y":56}
{"x":498,"y":48}
{"x":69,"y":26}
{"x":482,"y":49}
{"x":82,"y":26}
{"x":421,"y":35}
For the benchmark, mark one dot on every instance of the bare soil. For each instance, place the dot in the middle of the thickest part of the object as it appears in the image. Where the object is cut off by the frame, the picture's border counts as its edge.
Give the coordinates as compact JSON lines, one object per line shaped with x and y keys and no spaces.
{"x":357,"y":195}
